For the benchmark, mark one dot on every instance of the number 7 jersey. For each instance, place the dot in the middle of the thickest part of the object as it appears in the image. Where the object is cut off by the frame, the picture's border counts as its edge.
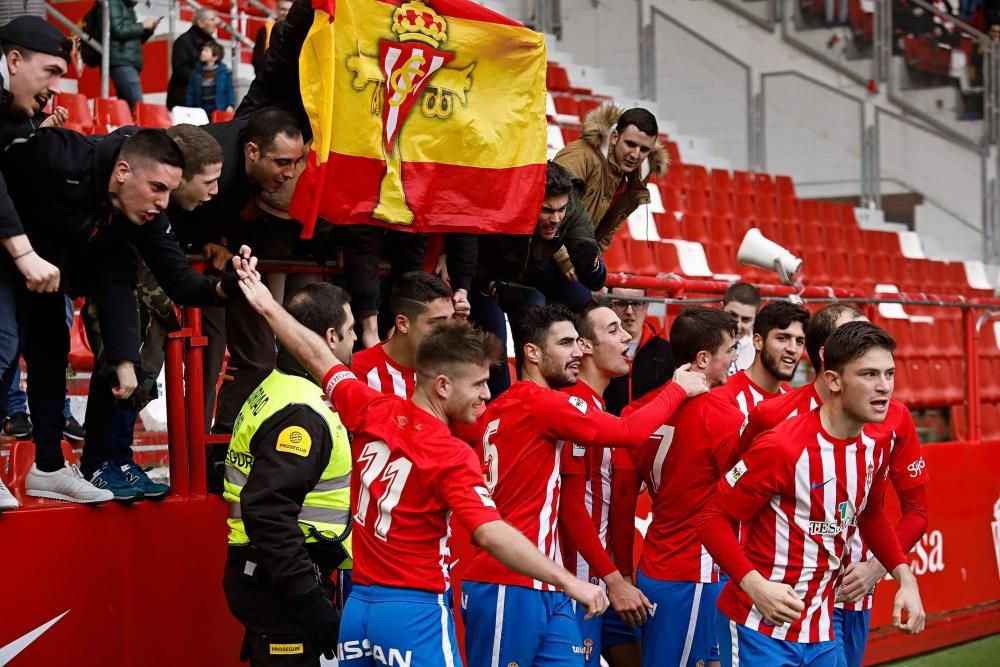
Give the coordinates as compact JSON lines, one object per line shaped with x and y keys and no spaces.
{"x":410,"y":476}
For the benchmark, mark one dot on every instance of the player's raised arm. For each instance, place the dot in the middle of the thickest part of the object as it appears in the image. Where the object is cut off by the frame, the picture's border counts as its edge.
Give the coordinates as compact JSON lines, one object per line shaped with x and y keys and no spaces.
{"x":311,"y":351}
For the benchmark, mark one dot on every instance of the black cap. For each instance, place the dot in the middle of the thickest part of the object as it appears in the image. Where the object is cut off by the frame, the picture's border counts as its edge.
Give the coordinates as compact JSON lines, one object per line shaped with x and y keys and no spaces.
{"x":38,"y":35}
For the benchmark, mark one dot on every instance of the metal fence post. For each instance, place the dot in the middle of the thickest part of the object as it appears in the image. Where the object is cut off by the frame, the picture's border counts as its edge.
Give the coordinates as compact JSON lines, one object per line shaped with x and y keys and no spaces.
{"x":105,"y":47}
{"x":234,"y":27}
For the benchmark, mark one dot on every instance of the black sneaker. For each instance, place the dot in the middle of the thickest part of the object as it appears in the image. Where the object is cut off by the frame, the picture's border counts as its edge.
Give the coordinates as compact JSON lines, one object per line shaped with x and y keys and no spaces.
{"x":18,"y":425}
{"x":72,"y":430}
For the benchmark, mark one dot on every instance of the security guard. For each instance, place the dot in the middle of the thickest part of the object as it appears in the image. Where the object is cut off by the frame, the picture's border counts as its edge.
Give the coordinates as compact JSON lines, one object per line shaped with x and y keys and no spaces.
{"x":287,"y":481}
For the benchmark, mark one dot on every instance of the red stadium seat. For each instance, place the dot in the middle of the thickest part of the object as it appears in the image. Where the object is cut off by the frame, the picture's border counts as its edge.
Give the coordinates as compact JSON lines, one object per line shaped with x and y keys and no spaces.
{"x":815,"y":267}
{"x":674,"y":152}
{"x":813,"y":235}
{"x":667,"y":225}
{"x":694,"y":228}
{"x":959,"y":423}
{"x":152,"y":115}
{"x":840,"y":269}
{"x":556,"y":77}
{"x":989,"y":381}
{"x":808,"y":211}
{"x":566,"y":104}
{"x":787,"y":210}
{"x":950,"y":333}
{"x":744,"y":207}
{"x":80,"y":115}
{"x":990,"y":421}
{"x":743,"y":181}
{"x":900,"y":330}
{"x":110,"y":114}
{"x":765,"y":186}
{"x":697,"y":201}
{"x":722,"y":258}
{"x":861,"y":270}
{"x":586,"y":104}
{"x":784,"y":186}
{"x":698,"y":178}
{"x":642,"y":257}
{"x":946,"y":375}
{"x":720,"y":230}
{"x":570,"y":133}
{"x":721,"y":181}
{"x":721,"y":204}
{"x":766,"y":209}
{"x":221,"y":116}
{"x":615,"y":257}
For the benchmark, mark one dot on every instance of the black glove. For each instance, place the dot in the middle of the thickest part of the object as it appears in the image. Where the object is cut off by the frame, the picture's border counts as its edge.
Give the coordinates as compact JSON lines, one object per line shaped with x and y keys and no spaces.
{"x":322,"y":620}
{"x":230,"y":284}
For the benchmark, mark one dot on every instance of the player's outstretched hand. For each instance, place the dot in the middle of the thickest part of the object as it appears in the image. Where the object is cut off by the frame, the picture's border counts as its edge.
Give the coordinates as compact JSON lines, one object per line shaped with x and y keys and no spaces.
{"x":859,"y":579}
{"x":777,"y":602}
{"x":692,"y":382}
{"x":589,"y":595}
{"x":908,"y":602}
{"x":256,"y":292}
{"x":628,"y":601}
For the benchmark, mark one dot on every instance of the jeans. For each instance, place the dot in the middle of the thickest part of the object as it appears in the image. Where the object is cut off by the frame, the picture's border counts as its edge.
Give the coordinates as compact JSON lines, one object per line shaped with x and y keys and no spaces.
{"x":831,"y":10}
{"x":9,"y":279}
{"x":17,"y":400}
{"x":110,"y":428}
{"x":543,"y":285}
{"x":46,"y":353}
{"x":127,"y":84}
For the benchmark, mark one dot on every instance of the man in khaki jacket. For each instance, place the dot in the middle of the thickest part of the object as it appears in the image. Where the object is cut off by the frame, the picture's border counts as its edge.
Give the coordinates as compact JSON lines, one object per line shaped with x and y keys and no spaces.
{"x":615,"y":155}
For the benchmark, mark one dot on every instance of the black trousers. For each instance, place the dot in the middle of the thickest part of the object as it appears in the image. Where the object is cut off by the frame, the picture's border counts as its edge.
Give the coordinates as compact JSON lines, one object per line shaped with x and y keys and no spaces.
{"x":363,"y":248}
{"x":275,"y":634}
{"x":45,"y":345}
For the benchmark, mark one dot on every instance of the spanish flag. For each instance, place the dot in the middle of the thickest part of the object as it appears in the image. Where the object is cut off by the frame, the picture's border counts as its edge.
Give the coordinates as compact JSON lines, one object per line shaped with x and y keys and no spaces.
{"x":427,"y":115}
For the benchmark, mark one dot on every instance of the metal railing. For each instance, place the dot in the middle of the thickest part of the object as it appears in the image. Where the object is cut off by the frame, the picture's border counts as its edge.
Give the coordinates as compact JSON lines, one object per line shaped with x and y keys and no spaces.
{"x":94,"y":44}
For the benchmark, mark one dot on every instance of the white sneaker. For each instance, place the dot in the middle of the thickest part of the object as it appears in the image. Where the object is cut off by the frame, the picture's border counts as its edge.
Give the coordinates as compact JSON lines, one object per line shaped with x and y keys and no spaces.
{"x":67,"y":484}
{"x":7,"y":499}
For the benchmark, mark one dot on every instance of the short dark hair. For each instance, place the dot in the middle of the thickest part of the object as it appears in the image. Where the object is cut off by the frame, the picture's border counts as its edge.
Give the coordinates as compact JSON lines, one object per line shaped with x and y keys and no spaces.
{"x":26,"y":53}
{"x":319,"y":307}
{"x":744,"y":293}
{"x":584,"y":327}
{"x":414,"y":290}
{"x":531,"y":325}
{"x":643,"y":120}
{"x":822,"y":324}
{"x":697,"y":328}
{"x":456,"y":343}
{"x":853,"y":341}
{"x":200,"y":148}
{"x":152,"y":146}
{"x":558,"y":180}
{"x":265,"y":125}
{"x":217,"y":49}
{"x":779,"y":315}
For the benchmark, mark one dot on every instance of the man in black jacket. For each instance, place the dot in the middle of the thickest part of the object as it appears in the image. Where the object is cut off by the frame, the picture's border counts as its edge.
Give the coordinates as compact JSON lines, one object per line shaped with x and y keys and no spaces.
{"x":652,"y":360}
{"x":93,"y":206}
{"x":112,"y":406}
{"x":184,"y":54}
{"x":518,"y":270}
{"x":261,"y":152}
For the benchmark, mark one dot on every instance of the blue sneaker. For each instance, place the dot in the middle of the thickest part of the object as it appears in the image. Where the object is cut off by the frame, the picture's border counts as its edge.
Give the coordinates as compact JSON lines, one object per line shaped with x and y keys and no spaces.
{"x":138,"y":478}
{"x":111,"y":478}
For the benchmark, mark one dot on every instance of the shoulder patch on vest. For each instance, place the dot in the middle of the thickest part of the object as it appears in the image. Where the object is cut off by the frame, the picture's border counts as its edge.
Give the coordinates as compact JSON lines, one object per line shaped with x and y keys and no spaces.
{"x":294,"y":440}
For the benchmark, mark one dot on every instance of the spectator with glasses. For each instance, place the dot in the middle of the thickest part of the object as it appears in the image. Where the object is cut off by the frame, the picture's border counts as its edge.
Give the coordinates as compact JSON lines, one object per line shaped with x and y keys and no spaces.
{"x":652,"y":361}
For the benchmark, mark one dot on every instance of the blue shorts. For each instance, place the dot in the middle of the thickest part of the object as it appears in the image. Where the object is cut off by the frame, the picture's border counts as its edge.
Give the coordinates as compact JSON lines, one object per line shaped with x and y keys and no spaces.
{"x":713,"y":652}
{"x":615,"y":632}
{"x":739,"y":646}
{"x":850,"y":629}
{"x":591,"y":633}
{"x":383,"y":626}
{"x":507,"y":625}
{"x":679,"y":631}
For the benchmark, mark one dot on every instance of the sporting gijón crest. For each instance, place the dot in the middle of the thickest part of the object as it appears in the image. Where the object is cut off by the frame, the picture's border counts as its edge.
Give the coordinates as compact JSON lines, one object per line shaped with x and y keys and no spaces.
{"x":408,"y":67}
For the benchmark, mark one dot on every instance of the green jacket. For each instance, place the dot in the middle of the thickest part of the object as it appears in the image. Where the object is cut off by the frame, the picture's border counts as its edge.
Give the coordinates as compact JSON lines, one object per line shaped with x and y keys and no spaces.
{"x":127,"y":34}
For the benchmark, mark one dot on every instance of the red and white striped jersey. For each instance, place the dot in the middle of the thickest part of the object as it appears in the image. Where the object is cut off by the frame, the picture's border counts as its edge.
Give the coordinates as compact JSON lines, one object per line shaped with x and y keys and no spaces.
{"x":907,"y":469}
{"x":525,"y":431}
{"x":595,"y":463}
{"x":410,"y":478}
{"x":798,"y":492}
{"x":681,"y":465}
{"x":897,"y":433}
{"x":745,"y":393}
{"x":382,"y":373}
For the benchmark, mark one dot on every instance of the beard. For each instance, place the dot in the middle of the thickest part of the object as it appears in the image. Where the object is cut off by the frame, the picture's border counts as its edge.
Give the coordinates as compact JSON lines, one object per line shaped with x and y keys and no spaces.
{"x":773,"y":366}
{"x":556,"y":376}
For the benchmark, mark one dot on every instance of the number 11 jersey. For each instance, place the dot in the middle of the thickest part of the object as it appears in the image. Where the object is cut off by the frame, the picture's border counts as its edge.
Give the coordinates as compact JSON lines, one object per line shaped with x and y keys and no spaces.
{"x":410,"y":475}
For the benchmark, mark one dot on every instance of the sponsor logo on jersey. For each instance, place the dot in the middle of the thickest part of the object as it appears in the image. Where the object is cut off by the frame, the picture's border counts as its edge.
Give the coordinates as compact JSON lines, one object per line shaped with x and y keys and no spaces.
{"x":579,"y":450}
{"x":869,"y":473}
{"x":294,"y":440}
{"x":484,"y":495}
{"x":917,"y":467}
{"x":652,"y":610}
{"x":820,"y":485}
{"x":578,"y":403}
{"x":736,"y":473}
{"x":285,"y":649}
{"x":354,"y":650}
{"x":588,"y":648}
{"x":843,"y":520}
